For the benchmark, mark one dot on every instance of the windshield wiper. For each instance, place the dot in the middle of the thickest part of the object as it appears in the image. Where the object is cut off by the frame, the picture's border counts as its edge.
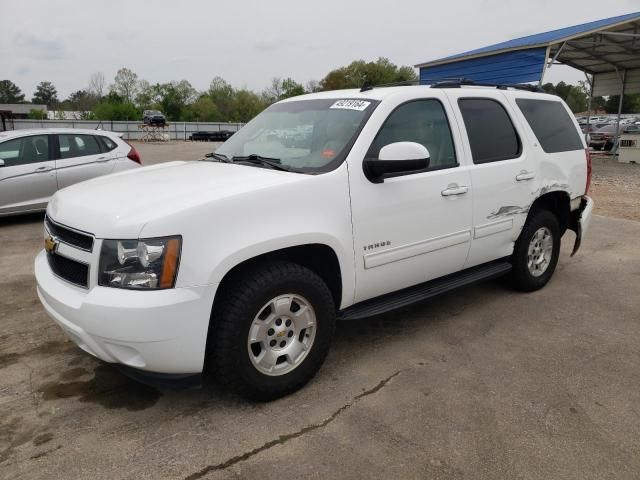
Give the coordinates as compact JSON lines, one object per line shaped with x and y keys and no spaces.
{"x":218,"y":156}
{"x":274,"y":163}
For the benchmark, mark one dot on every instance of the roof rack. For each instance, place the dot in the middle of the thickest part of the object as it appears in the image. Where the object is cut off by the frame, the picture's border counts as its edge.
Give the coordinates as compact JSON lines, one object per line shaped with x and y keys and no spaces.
{"x":404,"y":83}
{"x":456,"y":83}
{"x":461,"y":82}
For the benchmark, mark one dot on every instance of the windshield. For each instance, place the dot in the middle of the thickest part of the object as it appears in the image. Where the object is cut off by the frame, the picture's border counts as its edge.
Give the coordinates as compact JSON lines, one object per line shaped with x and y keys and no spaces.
{"x":305,"y":135}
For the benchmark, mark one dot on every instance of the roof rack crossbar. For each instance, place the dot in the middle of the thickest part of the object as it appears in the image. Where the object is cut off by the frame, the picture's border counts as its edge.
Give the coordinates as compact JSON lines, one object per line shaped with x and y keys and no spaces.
{"x":404,"y":83}
{"x":460,"y":82}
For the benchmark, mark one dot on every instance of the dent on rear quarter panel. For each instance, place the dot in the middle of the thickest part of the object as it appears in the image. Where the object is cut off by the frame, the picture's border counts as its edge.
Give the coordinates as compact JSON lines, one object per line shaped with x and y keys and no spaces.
{"x":510,"y":210}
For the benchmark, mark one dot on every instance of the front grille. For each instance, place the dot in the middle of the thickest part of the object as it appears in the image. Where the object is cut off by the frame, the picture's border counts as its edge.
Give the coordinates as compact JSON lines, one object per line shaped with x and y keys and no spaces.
{"x":66,"y":235}
{"x":69,"y":270}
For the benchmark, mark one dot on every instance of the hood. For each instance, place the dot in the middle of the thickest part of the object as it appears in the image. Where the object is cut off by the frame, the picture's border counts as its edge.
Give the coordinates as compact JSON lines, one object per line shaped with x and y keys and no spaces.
{"x":119,"y":205}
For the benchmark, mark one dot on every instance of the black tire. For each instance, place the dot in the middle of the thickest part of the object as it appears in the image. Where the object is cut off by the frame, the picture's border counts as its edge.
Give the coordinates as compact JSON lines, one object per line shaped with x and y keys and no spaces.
{"x":522,"y":279}
{"x":234,"y":312}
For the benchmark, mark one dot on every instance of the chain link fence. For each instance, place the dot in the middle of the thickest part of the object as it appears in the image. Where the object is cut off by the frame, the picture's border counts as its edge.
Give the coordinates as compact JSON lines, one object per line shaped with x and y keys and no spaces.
{"x":130,"y":130}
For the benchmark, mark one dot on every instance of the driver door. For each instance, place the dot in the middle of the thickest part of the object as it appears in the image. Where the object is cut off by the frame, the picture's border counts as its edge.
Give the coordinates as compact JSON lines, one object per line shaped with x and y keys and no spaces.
{"x":413,"y":227}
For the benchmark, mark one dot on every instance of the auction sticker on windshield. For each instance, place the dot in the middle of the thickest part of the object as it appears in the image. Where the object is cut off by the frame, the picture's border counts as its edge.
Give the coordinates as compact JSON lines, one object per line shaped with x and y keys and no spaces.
{"x":359,"y":105}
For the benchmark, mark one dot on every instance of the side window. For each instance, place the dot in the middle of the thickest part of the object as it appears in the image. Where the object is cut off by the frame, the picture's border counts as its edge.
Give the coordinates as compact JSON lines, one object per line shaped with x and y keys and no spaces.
{"x":420,"y":121}
{"x":108,"y":143}
{"x":492,"y":135}
{"x":77,"y":145}
{"x":551,"y":124}
{"x":22,"y":151}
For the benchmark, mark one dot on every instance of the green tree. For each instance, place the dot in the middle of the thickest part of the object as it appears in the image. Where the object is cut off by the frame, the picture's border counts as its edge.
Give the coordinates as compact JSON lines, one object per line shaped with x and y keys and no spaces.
{"x":46,"y":94}
{"x":116,"y":111}
{"x":145,"y":98}
{"x":37,"y":114}
{"x":173,"y":97}
{"x":630,"y":104}
{"x":10,"y":92}
{"x":223,"y":95}
{"x":246,"y":106}
{"x":82,"y":101}
{"x":125,"y":84}
{"x":359,"y":73}
{"x":202,"y":110}
{"x":114,"y":107}
{"x":281,"y":89}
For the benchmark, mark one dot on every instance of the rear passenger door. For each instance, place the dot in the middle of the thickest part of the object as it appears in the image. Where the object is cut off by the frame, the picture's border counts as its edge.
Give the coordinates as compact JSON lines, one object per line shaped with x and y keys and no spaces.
{"x":27,"y":176}
{"x":81,"y":157}
{"x":503,"y":172}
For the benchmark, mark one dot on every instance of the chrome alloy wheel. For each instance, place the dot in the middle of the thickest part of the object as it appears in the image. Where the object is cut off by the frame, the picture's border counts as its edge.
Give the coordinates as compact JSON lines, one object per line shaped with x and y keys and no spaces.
{"x":282,"y":334}
{"x":540,"y":252}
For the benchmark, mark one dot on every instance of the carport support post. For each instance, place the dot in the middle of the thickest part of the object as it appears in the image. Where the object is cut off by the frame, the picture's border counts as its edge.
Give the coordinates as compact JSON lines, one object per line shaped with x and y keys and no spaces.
{"x":591,"y":81}
{"x":622,"y":90}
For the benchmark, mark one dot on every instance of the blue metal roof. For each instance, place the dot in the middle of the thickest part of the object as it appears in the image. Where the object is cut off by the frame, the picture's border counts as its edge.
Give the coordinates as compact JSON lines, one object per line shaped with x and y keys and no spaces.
{"x":521,"y":66}
{"x":540,"y":39}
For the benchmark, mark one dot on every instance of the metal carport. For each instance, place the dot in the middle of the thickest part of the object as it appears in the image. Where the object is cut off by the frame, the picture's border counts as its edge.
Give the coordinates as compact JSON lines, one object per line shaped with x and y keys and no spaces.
{"x":607,"y":50}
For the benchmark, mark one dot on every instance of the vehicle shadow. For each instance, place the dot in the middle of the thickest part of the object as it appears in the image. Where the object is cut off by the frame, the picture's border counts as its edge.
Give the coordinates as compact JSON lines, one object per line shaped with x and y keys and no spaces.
{"x":112,"y":389}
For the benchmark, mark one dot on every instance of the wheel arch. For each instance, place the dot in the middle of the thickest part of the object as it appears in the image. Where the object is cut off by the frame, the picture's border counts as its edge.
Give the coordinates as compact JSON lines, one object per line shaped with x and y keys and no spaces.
{"x":317,"y":257}
{"x":557,"y":202}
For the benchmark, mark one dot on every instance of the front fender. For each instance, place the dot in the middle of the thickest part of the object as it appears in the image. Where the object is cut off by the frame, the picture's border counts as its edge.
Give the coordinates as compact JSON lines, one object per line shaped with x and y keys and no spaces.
{"x":344,"y":256}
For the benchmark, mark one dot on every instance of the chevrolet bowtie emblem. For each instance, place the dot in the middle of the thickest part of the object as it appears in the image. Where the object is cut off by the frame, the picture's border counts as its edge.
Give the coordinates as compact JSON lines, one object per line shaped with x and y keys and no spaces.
{"x":50,"y":244}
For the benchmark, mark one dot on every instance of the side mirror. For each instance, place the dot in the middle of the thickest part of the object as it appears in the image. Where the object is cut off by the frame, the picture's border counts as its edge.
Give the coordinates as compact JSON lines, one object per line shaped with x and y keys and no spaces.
{"x":398,"y":157}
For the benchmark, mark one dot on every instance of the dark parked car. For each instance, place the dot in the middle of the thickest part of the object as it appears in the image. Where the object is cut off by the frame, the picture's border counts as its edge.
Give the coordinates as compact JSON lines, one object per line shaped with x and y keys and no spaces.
{"x":217,"y":136}
{"x":153,"y":117}
{"x":604,"y":137}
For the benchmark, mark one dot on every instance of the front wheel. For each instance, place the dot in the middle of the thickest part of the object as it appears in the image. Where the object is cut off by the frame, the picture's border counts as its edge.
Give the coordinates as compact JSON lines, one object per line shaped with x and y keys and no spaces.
{"x":271,"y":330}
{"x":536,"y":252}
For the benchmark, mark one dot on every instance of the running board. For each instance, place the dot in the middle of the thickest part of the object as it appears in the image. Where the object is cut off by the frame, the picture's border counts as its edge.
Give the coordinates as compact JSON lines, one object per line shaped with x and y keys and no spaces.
{"x":433,"y":288}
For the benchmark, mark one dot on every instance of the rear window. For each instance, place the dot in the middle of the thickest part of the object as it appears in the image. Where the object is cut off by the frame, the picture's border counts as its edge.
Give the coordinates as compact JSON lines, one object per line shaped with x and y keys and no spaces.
{"x":551,"y":125}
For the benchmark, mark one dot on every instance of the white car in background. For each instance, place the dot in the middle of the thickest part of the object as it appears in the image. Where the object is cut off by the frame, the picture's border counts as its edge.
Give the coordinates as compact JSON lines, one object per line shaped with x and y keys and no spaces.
{"x":34,"y":164}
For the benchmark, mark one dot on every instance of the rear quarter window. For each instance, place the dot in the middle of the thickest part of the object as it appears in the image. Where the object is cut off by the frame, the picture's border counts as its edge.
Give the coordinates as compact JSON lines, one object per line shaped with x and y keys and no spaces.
{"x":108,"y":143}
{"x":551,"y":124}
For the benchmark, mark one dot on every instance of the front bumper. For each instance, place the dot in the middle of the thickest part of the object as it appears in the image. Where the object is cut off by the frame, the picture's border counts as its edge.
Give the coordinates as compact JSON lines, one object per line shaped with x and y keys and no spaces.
{"x":580,"y":221}
{"x":161,"y":331}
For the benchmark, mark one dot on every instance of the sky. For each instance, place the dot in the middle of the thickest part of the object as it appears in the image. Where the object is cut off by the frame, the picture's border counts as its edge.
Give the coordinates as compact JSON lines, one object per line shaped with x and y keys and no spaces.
{"x":248,"y":42}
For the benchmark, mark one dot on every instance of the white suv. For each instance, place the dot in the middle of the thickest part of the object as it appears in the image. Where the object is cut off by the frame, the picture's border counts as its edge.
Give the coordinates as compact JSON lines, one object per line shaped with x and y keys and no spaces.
{"x":334,"y":205}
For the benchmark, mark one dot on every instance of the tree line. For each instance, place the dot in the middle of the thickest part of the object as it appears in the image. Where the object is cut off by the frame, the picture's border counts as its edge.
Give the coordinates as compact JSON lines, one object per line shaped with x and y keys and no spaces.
{"x":577,"y":98}
{"x":128,"y":95}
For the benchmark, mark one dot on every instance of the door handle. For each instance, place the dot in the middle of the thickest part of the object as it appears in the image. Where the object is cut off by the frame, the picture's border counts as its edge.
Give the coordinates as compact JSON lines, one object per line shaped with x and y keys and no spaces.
{"x":102,"y":159}
{"x":454,"y":189}
{"x":43,"y":169}
{"x":524,"y":175}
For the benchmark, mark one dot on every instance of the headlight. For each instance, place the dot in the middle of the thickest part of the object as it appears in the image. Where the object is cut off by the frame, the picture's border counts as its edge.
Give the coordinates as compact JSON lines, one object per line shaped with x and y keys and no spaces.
{"x":146,"y":264}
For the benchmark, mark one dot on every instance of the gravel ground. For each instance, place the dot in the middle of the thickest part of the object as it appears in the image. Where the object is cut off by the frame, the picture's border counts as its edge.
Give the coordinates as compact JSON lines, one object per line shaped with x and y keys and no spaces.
{"x":483,"y":382}
{"x":153,"y":153}
{"x":615,"y":188}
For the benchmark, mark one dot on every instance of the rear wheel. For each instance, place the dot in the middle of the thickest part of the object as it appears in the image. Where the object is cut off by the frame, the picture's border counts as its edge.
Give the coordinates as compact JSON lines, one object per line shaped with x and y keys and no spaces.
{"x":536,"y":252}
{"x":271,"y":330}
